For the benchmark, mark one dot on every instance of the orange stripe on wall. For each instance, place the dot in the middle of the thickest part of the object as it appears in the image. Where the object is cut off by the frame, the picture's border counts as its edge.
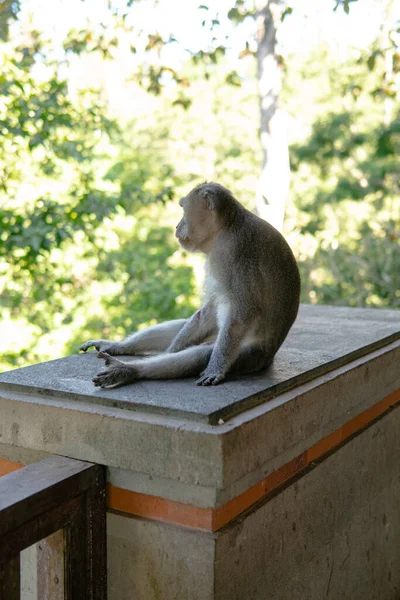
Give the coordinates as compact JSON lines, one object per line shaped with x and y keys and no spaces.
{"x":350,"y":428}
{"x":212,"y":519}
{"x":229,"y":511}
{"x":7,"y":466}
{"x":160,"y":509}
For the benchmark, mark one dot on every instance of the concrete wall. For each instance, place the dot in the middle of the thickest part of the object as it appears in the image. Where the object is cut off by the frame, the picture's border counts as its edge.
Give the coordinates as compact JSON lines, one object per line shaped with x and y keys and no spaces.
{"x":334,"y":534}
{"x":154,"y":561}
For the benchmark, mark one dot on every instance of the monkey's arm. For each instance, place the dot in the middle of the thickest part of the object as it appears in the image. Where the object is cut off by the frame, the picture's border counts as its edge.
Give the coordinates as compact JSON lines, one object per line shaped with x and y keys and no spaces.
{"x":225,"y":352}
{"x":196,"y":329}
{"x":156,"y":338}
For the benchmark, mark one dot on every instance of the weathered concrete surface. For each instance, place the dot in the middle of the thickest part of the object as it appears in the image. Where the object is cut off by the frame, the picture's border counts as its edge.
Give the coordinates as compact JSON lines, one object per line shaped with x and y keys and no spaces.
{"x":29,"y":573}
{"x":228,"y":458}
{"x":202,"y":496}
{"x":50,"y":567}
{"x":264,"y":438}
{"x":334,"y":534}
{"x":152,"y":561}
{"x":17,"y":454}
{"x":322,"y":339}
{"x":113,"y":437}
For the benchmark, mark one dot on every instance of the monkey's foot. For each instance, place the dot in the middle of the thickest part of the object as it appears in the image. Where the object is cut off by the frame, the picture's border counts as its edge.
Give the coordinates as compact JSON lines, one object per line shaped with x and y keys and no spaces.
{"x":209,"y":378}
{"x":100,"y":345}
{"x":115,"y":373}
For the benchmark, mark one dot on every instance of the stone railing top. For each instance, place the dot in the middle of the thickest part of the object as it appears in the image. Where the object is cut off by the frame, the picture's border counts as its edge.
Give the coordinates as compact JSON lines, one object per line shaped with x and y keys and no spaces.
{"x":322,"y":339}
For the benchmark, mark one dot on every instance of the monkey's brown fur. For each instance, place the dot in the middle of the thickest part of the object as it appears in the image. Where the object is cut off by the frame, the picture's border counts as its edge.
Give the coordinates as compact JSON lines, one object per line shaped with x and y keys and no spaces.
{"x":252,"y":289}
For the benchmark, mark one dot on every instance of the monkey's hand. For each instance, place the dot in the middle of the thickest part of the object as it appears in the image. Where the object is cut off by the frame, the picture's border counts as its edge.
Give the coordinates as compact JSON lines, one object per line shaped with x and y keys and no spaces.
{"x":102,"y":346}
{"x":210,"y":376}
{"x":116,"y":372}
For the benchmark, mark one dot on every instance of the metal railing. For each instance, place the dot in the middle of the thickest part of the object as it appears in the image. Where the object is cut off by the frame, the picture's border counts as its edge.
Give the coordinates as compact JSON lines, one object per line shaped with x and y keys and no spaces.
{"x":54,"y":494}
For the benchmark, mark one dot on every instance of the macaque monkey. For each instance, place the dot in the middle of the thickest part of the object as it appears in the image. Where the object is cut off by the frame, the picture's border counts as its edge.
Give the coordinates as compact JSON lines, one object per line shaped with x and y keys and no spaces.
{"x":252,"y":288}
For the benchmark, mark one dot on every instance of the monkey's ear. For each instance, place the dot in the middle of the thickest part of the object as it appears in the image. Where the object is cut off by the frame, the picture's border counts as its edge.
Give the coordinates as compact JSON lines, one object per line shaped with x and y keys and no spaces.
{"x":209,"y":198}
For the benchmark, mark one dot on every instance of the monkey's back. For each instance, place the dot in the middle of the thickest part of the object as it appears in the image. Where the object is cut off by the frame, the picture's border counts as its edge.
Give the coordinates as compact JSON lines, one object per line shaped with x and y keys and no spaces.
{"x":259,"y":272}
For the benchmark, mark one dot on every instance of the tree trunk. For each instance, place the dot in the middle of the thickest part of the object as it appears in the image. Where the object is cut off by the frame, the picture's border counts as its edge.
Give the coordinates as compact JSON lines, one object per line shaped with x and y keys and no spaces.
{"x":275,"y":176}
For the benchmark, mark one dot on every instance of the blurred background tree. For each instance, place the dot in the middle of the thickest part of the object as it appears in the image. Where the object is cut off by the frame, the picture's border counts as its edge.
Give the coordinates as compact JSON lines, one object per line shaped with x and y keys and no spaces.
{"x":110,"y":111}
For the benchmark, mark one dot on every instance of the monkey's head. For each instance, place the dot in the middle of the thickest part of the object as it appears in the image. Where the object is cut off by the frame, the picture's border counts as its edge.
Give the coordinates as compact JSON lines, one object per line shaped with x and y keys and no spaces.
{"x":205,"y":210}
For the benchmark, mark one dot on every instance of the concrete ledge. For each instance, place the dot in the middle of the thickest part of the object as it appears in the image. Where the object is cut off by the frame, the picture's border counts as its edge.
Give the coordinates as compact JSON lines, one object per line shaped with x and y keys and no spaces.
{"x":291,"y":423}
{"x":228,"y":458}
{"x":322,"y":339}
{"x":227,"y":494}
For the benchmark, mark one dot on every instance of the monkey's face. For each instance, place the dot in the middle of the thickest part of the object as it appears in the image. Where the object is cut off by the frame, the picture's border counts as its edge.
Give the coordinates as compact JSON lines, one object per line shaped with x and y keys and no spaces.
{"x":198,"y":226}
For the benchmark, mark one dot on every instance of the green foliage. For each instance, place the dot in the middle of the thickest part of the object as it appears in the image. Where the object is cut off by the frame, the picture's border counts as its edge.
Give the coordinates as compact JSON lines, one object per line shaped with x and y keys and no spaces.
{"x":345,"y":4}
{"x":239,"y":12}
{"x":84,"y":40}
{"x":364,"y":272}
{"x":67,"y":264}
{"x":346,"y":192}
{"x":9,"y":10}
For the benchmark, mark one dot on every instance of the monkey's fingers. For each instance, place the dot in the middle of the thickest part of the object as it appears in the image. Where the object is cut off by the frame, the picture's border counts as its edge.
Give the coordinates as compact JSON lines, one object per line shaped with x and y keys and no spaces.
{"x":115,"y":374}
{"x":89,"y":344}
{"x":209,"y":380}
{"x":110,"y":360}
{"x":108,"y":377}
{"x":102,"y":378}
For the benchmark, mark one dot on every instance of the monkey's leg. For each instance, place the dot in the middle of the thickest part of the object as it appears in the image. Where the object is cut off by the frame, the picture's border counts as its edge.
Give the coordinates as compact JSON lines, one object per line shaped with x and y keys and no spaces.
{"x":225,"y":352}
{"x":253,"y":358}
{"x":187,"y":363}
{"x":156,"y":338}
{"x":196,"y":329}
